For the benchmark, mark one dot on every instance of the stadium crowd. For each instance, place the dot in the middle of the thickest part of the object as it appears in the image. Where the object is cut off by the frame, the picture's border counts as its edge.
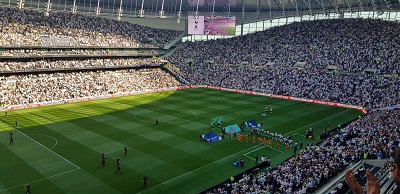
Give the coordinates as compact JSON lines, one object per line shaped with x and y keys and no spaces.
{"x":26,"y":53}
{"x":292,"y":60}
{"x":352,"y":45}
{"x":20,"y":27}
{"x":24,"y":89}
{"x":377,"y":132}
{"x":361,"y":90}
{"x":83,"y":63}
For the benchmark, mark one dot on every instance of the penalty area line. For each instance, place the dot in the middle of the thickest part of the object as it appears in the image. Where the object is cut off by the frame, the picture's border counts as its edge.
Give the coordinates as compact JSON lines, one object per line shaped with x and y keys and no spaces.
{"x":59,"y":174}
{"x":222,"y":159}
{"x":42,"y":145}
{"x":45,"y":136}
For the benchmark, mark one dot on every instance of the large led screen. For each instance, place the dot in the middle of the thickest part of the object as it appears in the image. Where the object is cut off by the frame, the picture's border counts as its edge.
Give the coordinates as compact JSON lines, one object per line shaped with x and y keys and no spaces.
{"x":196,"y":25}
{"x":218,"y":25}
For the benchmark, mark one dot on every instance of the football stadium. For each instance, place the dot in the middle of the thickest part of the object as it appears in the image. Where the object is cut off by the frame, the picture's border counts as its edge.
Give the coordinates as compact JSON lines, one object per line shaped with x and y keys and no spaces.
{"x":200,"y":96}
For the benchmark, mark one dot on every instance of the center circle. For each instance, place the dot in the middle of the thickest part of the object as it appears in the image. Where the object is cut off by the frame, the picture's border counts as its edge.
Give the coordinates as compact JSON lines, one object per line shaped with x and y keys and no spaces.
{"x":172,"y":116}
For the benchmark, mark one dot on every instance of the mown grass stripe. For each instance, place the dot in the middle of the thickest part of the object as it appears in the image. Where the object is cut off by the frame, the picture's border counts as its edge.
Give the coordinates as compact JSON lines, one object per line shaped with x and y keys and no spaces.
{"x":84,"y":130}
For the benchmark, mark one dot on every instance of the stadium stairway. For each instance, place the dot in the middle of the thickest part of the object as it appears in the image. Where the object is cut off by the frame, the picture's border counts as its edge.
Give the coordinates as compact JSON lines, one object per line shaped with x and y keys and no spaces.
{"x":363,"y":179}
{"x":177,"y":76}
{"x":392,"y":189}
{"x":177,"y":40}
{"x":332,"y":183}
{"x":388,"y":186}
{"x":373,"y":165}
{"x":389,"y":107}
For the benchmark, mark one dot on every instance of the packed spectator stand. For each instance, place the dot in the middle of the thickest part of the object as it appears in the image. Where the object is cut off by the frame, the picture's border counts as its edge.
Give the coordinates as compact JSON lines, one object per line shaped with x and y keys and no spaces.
{"x":379,"y":131}
{"x":54,"y":65}
{"x":352,"y":45}
{"x":34,"y":53}
{"x":70,"y":44}
{"x":31,"y":28}
{"x":361,"y":90}
{"x":25,"y":89}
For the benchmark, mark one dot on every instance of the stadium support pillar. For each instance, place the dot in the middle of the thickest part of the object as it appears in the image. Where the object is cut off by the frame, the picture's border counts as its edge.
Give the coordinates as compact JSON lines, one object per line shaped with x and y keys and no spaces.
{"x":349,"y":9}
{"x":197,"y":9}
{"x":141,"y":11}
{"x":120,"y":11}
{"x":270,"y":10}
{"x":321,"y":3}
{"x":47,"y":8}
{"x":336,"y":6}
{"x":98,"y":8}
{"x":20,"y":4}
{"x":295,"y":5}
{"x":161,"y":14}
{"x":283,"y":9}
{"x":213,"y":12}
{"x":74,"y":7}
{"x":243,"y":10}
{"x":309,"y":7}
{"x":178,"y":20}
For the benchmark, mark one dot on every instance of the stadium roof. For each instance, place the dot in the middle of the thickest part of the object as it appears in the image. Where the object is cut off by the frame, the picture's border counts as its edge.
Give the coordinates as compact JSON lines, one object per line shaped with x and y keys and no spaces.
{"x":171,"y":7}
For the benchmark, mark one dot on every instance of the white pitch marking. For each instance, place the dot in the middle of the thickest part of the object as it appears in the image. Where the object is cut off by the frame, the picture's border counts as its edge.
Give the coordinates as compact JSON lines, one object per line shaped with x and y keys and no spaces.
{"x":59,"y":174}
{"x":315,"y":122}
{"x":249,"y":157}
{"x":45,"y":136}
{"x":191,"y":120}
{"x":195,"y":170}
{"x":43,"y":146}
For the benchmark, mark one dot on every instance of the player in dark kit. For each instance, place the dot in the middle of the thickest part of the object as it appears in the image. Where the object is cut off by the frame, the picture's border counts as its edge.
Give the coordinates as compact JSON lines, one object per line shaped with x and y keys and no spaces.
{"x":125,"y":150}
{"x":16,"y":123}
{"x":256,"y":159}
{"x":11,"y":139}
{"x":145,"y":181}
{"x":28,"y":189}
{"x":103,"y":159}
{"x":118,"y":166}
{"x":156,"y":121}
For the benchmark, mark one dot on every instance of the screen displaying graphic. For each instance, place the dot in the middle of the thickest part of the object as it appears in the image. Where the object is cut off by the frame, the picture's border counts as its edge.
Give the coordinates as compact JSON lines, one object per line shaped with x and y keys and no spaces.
{"x":218,"y":3}
{"x":218,"y":25}
{"x":196,"y":25}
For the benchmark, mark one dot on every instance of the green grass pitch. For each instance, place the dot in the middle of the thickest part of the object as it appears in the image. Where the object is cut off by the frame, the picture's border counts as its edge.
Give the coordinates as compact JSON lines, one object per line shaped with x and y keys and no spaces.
{"x":57,"y":149}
